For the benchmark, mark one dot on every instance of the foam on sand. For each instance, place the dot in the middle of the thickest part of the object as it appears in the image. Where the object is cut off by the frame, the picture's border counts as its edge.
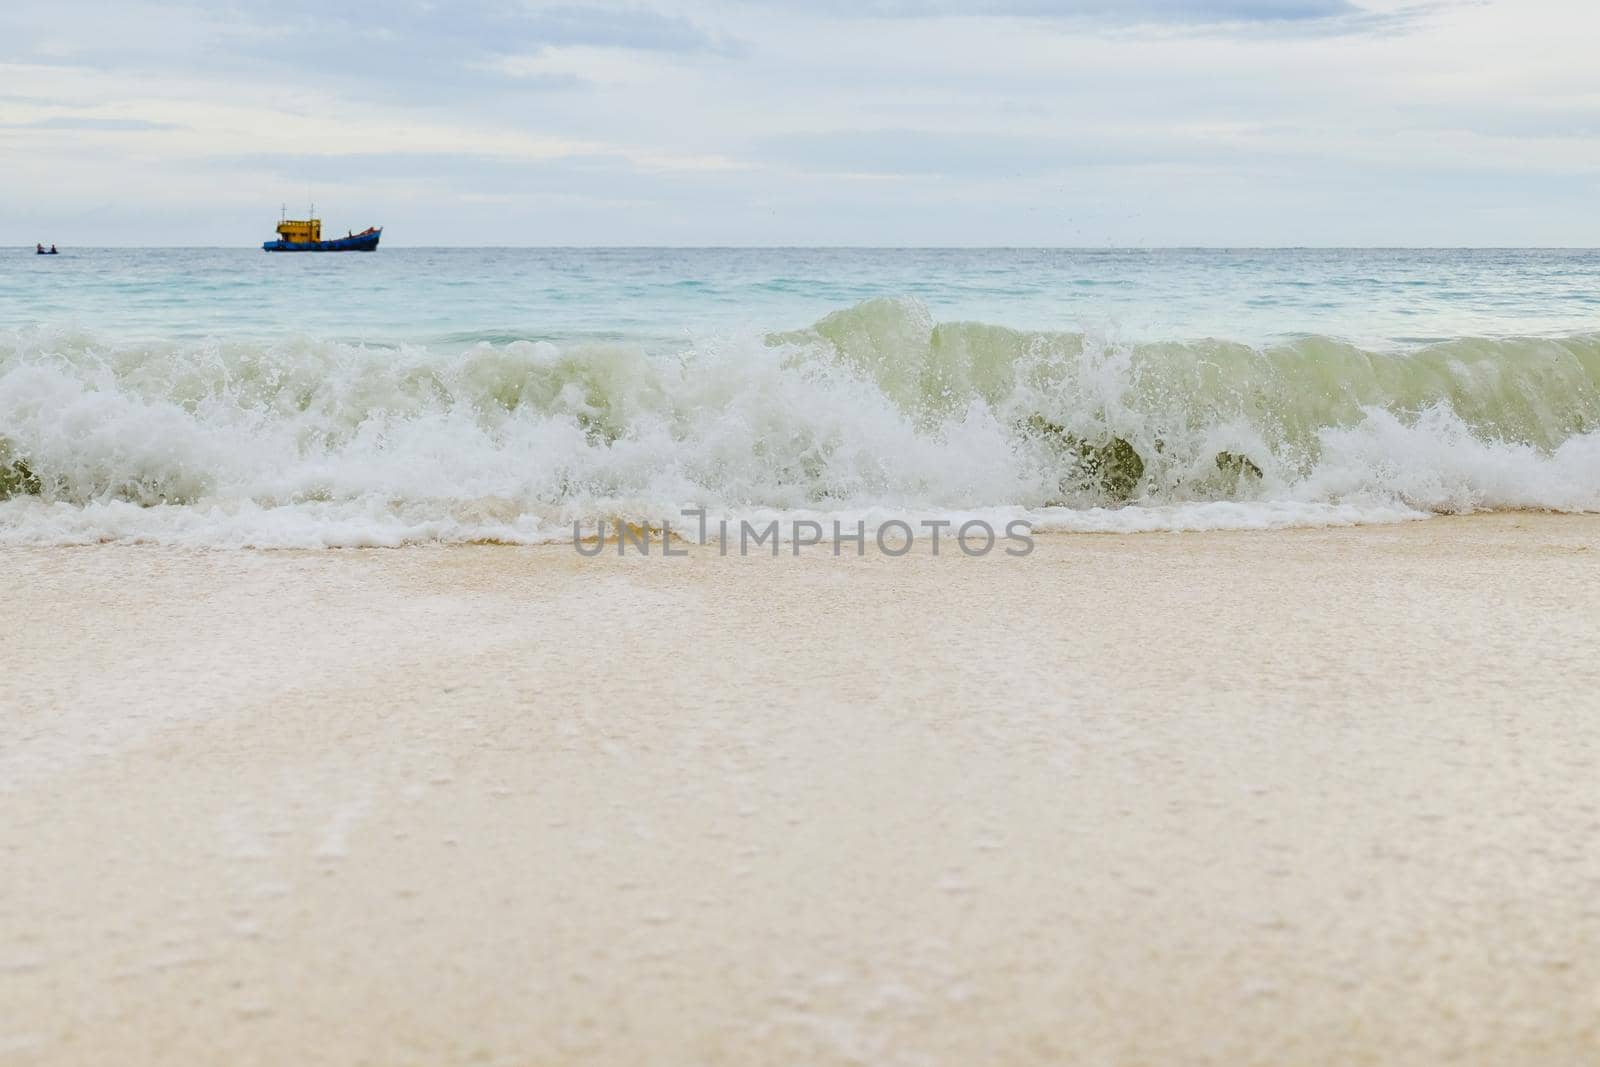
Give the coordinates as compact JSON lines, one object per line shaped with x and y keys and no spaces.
{"x":1311,"y":796}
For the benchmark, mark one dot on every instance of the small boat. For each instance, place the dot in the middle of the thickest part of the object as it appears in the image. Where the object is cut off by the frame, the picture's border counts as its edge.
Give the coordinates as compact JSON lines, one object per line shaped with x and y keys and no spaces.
{"x":305,"y":235}
{"x":39,"y":250}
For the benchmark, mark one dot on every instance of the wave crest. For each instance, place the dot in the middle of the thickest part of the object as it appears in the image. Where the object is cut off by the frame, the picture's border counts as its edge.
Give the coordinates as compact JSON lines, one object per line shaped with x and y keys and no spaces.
{"x":875,"y":408}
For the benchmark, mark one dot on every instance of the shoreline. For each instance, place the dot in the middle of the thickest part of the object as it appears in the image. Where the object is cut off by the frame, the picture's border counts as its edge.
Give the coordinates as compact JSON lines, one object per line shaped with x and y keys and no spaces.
{"x":1308,"y":795}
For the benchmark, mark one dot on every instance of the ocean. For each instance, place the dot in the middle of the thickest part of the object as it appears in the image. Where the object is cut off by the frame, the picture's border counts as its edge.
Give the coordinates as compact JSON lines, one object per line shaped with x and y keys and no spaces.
{"x":227,"y":397}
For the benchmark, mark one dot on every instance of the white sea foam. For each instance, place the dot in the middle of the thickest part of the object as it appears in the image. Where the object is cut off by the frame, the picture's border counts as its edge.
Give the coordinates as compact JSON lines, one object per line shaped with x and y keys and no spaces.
{"x":876,"y":412}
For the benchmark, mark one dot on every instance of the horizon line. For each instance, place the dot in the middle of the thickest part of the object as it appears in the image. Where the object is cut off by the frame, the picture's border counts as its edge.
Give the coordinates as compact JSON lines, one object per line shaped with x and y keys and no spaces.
{"x":886,"y":248}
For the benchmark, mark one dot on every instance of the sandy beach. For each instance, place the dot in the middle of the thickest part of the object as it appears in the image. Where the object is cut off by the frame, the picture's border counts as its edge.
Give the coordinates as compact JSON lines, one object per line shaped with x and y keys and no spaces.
{"x":1298,"y":797}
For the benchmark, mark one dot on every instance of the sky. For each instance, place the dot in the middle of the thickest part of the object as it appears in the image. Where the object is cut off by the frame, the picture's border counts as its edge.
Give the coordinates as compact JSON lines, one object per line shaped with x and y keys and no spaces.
{"x":1082,"y":123}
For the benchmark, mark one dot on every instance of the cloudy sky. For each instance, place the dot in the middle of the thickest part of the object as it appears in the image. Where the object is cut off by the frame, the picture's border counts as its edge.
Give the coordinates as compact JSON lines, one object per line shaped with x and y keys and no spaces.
{"x":856,"y":122}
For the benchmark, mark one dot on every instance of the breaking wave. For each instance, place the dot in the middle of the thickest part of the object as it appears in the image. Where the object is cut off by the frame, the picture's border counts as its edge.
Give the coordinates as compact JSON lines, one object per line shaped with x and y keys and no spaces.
{"x":875,"y":411}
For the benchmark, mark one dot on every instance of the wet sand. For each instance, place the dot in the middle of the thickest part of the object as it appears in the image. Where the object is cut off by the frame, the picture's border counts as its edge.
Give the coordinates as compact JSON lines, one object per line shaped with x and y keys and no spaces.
{"x":1301,"y":797}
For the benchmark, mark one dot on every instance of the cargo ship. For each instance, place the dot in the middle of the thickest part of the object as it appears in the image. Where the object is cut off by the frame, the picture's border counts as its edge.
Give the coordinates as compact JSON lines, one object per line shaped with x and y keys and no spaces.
{"x":305,"y":235}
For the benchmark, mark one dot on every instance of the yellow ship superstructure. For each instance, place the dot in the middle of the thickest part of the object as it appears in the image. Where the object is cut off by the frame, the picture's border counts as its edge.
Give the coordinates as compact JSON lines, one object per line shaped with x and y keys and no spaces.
{"x":300,"y":231}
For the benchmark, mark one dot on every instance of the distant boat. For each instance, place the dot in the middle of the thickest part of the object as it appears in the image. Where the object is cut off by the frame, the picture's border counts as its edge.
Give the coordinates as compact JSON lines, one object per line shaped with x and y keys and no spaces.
{"x":39,"y":251}
{"x":305,"y":235}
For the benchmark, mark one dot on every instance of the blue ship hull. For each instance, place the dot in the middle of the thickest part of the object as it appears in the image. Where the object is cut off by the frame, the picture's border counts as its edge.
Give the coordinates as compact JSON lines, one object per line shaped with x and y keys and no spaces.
{"x":361,"y":242}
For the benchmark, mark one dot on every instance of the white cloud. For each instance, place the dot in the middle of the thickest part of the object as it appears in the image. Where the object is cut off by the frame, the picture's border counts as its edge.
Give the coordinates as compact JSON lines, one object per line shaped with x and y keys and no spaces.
{"x":1031,"y":121}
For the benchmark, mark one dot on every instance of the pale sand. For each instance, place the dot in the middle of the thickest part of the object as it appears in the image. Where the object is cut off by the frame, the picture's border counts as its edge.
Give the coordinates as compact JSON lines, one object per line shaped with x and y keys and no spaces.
{"x":1307,"y":797}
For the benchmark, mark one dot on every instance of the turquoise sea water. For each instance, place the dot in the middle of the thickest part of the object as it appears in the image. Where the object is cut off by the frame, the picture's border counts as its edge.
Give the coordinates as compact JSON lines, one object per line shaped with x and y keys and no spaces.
{"x":663,"y":296}
{"x":234,"y":397}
